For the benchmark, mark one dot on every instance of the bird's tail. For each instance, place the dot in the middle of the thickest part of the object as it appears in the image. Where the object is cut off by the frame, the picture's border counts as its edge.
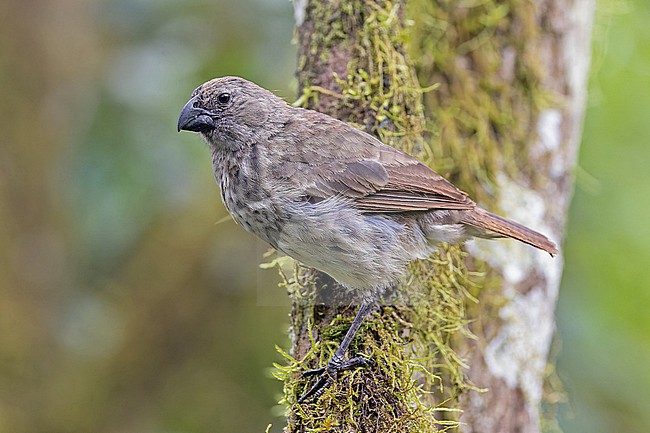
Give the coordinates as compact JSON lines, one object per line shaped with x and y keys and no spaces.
{"x":485,"y":220}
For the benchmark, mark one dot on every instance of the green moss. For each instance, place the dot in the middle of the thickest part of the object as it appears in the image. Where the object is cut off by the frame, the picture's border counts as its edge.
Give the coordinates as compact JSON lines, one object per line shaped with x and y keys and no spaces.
{"x":417,"y":378}
{"x":485,"y":55}
{"x":378,"y":90}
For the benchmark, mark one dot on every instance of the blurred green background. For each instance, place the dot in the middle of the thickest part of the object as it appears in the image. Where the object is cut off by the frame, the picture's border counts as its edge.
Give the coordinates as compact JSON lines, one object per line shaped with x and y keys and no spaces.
{"x":126,"y":305}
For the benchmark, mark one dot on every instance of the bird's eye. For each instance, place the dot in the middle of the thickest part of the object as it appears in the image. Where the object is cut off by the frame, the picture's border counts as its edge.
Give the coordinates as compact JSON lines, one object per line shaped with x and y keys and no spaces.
{"x":223,"y":98}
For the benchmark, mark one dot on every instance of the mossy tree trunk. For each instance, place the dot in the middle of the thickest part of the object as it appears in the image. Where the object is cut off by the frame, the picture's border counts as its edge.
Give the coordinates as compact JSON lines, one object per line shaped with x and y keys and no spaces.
{"x":453,"y":345}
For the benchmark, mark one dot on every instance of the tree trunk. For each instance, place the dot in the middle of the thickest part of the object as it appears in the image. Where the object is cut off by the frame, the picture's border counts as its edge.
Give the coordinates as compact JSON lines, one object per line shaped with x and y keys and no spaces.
{"x":453,"y":345}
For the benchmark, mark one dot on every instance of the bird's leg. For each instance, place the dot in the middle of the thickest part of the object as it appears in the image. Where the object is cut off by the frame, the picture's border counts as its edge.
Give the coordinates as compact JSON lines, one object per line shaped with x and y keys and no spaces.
{"x":329,"y":373}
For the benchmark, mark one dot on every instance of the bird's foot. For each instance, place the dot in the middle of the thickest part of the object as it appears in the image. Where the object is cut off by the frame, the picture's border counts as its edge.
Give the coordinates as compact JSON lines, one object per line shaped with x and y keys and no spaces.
{"x":329,"y":373}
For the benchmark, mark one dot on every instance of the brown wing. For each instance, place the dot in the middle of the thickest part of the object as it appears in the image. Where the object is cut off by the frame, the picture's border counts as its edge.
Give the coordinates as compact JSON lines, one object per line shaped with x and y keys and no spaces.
{"x":331,"y":158}
{"x":412,"y":186}
{"x":385,"y":180}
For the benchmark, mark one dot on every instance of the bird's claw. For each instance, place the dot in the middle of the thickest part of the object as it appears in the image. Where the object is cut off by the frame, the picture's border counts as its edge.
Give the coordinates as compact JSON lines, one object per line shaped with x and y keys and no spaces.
{"x":329,"y":374}
{"x":313,"y":372}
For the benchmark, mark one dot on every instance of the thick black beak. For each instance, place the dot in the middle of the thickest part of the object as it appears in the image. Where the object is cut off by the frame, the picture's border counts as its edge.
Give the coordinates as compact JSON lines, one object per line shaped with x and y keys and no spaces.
{"x":194,"y":119}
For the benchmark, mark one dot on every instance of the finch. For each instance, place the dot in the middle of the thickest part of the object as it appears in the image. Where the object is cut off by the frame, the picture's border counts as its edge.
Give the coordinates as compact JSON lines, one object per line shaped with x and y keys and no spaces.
{"x":331,"y":196}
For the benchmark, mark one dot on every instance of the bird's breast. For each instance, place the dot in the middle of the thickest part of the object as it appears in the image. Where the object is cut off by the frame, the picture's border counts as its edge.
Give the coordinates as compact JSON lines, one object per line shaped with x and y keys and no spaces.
{"x":248,"y":199}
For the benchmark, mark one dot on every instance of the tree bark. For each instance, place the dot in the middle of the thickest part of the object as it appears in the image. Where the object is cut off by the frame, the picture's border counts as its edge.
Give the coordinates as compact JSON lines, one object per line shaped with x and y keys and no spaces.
{"x":508,"y":116}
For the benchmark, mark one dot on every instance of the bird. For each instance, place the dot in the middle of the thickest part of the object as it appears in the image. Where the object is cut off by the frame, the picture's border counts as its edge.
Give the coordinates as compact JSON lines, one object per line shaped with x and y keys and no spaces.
{"x":331,"y":196}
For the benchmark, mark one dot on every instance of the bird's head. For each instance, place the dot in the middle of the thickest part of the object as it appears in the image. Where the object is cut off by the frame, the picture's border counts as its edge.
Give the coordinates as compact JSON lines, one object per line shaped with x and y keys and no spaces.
{"x":230,"y":111}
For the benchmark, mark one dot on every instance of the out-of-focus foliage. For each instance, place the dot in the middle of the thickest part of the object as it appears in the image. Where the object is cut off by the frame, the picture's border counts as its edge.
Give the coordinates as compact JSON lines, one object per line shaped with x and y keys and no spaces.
{"x":126,"y":307}
{"x":603,"y":308}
